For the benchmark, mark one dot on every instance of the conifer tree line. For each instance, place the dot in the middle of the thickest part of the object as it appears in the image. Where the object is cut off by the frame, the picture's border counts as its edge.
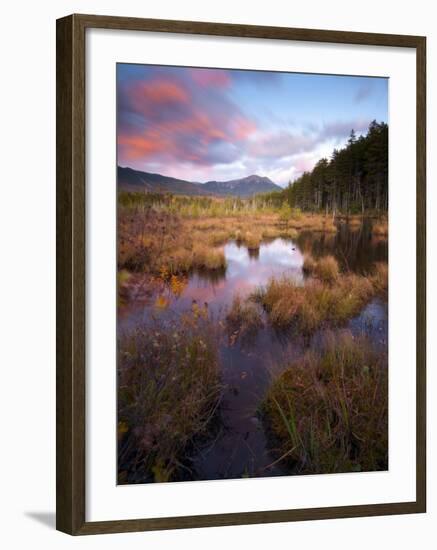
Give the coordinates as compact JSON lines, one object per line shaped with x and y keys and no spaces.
{"x":353,"y":181}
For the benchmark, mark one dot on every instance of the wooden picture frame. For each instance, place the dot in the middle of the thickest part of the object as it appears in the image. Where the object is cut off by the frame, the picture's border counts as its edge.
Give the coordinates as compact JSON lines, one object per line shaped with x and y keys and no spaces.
{"x":71,"y":248}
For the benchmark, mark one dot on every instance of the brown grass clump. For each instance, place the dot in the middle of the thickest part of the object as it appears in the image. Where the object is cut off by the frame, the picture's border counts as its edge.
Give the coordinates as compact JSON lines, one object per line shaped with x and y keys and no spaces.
{"x":309,"y":264}
{"x":270,"y":233}
{"x":251,"y":240}
{"x":208,"y":258}
{"x":144,"y":235}
{"x":315,"y":304}
{"x":243,"y":320}
{"x":218,"y":237}
{"x":314,"y":222}
{"x":287,"y":233}
{"x":169,"y":391}
{"x":178,"y":261}
{"x":329,"y":411}
{"x":326,"y":269}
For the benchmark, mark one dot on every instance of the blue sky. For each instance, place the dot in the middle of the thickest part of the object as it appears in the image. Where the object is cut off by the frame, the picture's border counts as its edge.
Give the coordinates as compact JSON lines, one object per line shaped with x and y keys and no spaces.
{"x":219,"y":124}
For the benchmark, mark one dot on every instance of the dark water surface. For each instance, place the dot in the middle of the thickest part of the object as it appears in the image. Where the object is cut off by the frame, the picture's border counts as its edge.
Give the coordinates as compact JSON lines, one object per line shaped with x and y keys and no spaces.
{"x":240,"y":447}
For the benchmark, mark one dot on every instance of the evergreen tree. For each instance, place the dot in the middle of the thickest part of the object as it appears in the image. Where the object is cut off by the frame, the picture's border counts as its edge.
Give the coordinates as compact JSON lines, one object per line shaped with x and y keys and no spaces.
{"x":355,"y":179}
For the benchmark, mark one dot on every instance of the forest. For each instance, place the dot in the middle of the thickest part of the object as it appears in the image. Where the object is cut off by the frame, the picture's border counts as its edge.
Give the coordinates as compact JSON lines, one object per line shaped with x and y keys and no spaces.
{"x":353,"y":181}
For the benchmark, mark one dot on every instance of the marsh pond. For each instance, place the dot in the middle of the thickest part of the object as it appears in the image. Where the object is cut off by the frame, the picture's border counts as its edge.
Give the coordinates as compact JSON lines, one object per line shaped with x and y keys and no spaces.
{"x":201,"y":351}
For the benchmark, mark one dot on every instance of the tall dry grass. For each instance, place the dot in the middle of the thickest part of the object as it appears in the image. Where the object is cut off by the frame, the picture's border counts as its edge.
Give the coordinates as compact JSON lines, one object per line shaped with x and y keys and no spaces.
{"x":318,"y":303}
{"x":168,"y":392}
{"x":243,"y":320}
{"x":328,"y":412}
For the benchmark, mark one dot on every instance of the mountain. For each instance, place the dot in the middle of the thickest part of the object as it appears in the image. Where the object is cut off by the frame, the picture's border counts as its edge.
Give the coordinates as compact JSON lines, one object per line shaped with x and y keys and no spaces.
{"x":134,"y":180}
{"x":243,"y":187}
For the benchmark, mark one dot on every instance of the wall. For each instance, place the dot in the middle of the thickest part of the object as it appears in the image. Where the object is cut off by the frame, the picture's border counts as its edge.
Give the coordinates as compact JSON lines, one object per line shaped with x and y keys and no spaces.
{"x":27,"y":118}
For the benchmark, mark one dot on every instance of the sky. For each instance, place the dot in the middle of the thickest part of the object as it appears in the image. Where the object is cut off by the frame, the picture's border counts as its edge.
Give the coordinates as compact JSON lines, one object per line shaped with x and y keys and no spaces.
{"x":201,"y":124}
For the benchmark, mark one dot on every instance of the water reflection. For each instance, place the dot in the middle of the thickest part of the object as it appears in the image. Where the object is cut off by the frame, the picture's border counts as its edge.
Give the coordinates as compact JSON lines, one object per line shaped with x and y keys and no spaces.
{"x":245,"y":271}
{"x":355,"y":249}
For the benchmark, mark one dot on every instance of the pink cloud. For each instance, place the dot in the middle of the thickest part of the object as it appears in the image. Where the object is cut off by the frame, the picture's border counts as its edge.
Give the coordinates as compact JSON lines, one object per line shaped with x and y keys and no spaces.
{"x":304,"y":164}
{"x":211,"y":78}
{"x":172,"y":120}
{"x":161,"y":91}
{"x":243,"y":127}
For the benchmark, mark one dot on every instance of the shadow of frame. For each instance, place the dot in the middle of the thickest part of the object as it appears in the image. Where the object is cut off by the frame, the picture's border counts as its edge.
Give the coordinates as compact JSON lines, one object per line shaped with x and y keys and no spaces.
{"x":45,"y":518}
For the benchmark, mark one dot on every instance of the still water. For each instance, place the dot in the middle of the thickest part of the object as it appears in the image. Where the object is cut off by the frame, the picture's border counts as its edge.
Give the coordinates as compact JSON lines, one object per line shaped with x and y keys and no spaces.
{"x":240,"y":447}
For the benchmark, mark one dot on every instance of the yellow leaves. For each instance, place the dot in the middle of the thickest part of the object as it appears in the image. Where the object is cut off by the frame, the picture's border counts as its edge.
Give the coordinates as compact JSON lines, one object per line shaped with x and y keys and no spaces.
{"x":123,"y":277}
{"x":199,"y":311}
{"x":164,"y":273}
{"x":146,"y":241}
{"x":161,"y":473}
{"x":177,"y":285}
{"x":161,"y":302}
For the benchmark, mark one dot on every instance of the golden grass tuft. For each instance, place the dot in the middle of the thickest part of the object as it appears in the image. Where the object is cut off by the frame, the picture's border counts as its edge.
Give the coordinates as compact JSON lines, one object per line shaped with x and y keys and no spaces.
{"x":314,"y":222}
{"x":252,"y":240}
{"x":315,"y":304}
{"x":205,"y":257}
{"x":326,"y":269}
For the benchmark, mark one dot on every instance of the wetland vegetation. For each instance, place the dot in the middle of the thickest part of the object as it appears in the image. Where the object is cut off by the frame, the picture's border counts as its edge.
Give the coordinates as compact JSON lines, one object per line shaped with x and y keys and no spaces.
{"x":247,"y":342}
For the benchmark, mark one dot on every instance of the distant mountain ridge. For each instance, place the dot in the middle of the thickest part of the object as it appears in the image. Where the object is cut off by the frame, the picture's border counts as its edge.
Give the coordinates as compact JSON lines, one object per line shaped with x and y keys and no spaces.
{"x":135,"y":180}
{"x":243,"y":187}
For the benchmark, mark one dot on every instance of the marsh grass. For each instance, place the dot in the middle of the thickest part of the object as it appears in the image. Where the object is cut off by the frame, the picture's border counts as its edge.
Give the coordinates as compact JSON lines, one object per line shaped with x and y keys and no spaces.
{"x":243,"y":320}
{"x":309,"y":264}
{"x":319,"y":303}
{"x":251,"y":240}
{"x":325,"y":268}
{"x":157,"y":242}
{"x":205,"y":257}
{"x":328,"y":412}
{"x":158,"y":233}
{"x":169,"y":390}
{"x":313,"y":222}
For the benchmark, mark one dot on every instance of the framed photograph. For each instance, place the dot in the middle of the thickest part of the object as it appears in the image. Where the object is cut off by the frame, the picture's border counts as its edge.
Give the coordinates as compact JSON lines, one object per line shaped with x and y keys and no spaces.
{"x":240,"y":274}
